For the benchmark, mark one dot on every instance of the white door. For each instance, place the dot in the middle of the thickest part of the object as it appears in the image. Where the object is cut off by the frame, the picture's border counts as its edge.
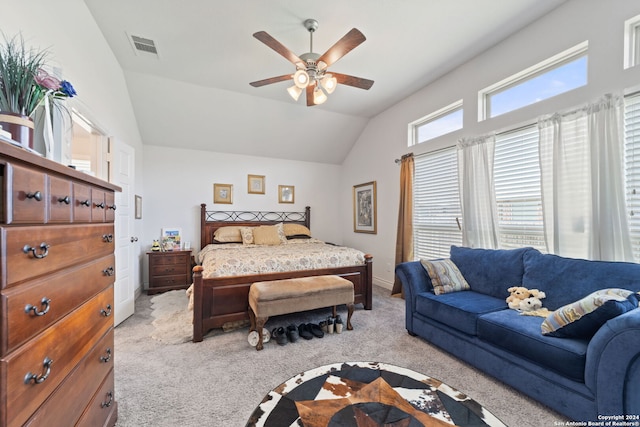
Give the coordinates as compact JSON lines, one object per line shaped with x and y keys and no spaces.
{"x":122,"y":174}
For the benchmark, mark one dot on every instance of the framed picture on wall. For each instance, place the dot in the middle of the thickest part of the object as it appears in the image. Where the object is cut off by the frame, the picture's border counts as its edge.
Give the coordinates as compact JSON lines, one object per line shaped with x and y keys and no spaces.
{"x":364,"y":208}
{"x":286,"y":193}
{"x":223,"y":193}
{"x":255,"y":184}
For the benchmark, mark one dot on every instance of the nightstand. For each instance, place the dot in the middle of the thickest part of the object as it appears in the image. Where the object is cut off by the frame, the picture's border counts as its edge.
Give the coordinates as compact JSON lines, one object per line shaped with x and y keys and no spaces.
{"x":168,"y":271}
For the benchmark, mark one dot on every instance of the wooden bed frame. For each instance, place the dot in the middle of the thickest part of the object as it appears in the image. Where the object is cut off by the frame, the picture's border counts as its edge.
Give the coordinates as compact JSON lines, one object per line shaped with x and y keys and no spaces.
{"x":219,"y":300}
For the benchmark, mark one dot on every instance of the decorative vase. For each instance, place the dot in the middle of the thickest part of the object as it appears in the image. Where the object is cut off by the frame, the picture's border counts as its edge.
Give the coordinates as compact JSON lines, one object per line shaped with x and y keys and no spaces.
{"x":20,"y":127}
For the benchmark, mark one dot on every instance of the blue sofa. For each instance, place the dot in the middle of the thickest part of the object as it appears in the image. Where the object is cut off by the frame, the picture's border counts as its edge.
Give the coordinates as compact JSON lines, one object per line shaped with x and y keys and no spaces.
{"x":582,"y":378}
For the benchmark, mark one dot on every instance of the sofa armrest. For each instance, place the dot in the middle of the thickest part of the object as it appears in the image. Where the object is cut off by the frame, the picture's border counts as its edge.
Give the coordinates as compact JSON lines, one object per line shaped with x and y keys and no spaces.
{"x":612,"y":369}
{"x":415,"y":280}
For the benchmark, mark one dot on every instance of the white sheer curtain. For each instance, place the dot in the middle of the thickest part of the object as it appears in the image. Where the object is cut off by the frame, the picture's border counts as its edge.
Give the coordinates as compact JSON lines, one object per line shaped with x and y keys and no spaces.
{"x":582,"y":177}
{"x":477,"y":195}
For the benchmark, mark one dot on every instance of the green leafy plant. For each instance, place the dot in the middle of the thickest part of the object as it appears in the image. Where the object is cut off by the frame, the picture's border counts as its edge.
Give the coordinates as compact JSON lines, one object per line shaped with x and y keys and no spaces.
{"x":24,"y":84}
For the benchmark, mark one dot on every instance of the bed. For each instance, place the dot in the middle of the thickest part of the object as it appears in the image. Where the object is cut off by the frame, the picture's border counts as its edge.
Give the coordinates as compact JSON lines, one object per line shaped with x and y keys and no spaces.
{"x":224,"y":299}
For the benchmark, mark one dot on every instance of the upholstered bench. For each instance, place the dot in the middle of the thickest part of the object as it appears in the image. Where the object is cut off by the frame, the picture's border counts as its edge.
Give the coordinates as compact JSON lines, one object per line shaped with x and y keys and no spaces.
{"x":286,"y":296}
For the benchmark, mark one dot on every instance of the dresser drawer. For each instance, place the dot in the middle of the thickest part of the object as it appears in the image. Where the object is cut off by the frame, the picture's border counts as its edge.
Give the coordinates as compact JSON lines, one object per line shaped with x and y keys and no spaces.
{"x":29,"y":195}
{"x":168,"y":258}
{"x":165,"y":281}
{"x":68,"y":402}
{"x":60,"y":198}
{"x":168,"y":269}
{"x":54,"y":248}
{"x":66,"y":343}
{"x":81,"y":203}
{"x":56,"y":295}
{"x":102,"y":409}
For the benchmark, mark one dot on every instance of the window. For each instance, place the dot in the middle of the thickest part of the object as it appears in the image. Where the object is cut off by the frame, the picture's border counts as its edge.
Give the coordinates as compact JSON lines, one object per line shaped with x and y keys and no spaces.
{"x":556,"y":75}
{"x":632,"y":169}
{"x":517,"y":187}
{"x":438,"y":123}
{"x":632,"y":42}
{"x":436,"y":204}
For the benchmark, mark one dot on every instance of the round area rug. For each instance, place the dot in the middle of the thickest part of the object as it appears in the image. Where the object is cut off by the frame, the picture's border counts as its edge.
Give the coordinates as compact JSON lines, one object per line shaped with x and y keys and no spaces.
{"x":367,"y":394}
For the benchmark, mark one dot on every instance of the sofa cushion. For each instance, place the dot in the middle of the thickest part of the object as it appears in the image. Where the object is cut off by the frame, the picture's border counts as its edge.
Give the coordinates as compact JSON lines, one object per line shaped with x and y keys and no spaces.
{"x":583,"y":318}
{"x":459,"y":310}
{"x":521,"y":335}
{"x":445,"y":276}
{"x":565,"y":280}
{"x":490,"y":271}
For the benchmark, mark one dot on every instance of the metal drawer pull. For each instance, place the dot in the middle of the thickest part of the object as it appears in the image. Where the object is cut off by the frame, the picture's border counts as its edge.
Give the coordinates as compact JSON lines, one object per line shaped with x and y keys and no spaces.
{"x":106,"y":358}
{"x":66,"y":200}
{"x":107,"y":312}
{"x":108,"y":271}
{"x":37,"y":379}
{"x":99,"y":205}
{"x":85,"y":203}
{"x":37,"y":195}
{"x":108,"y":402}
{"x":111,"y":207}
{"x":44,"y":303}
{"x":107,"y":238}
{"x":43,"y":246}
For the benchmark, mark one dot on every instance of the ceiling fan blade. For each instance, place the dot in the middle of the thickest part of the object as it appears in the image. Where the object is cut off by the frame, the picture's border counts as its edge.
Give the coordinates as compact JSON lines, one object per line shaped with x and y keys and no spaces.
{"x":279,"y":47}
{"x":310,"y":102}
{"x":271,"y":80}
{"x":343,"y":46}
{"x":358,"y":82}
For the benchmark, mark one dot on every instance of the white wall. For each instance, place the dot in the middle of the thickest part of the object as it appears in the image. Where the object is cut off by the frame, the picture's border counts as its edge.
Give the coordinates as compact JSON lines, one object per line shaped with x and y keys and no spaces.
{"x":385,"y":138}
{"x":177,"y":181}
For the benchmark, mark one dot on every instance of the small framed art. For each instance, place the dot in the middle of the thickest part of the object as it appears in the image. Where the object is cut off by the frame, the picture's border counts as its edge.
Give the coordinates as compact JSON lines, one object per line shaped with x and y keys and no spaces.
{"x":138,"y":206}
{"x":286,"y":193}
{"x":223,"y":193}
{"x":171,"y":238}
{"x":364,"y":208}
{"x":255,"y":184}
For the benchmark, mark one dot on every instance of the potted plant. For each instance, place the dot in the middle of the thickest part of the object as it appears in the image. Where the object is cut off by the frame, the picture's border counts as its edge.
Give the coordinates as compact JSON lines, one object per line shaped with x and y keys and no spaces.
{"x":24,"y":87}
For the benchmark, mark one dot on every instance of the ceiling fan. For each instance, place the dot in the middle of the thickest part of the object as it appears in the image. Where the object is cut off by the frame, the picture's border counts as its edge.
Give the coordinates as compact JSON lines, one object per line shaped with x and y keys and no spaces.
{"x":311,"y":68}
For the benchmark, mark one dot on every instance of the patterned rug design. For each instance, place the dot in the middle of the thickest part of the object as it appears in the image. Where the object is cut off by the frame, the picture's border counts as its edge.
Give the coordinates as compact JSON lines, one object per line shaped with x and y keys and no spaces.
{"x":367,"y":394}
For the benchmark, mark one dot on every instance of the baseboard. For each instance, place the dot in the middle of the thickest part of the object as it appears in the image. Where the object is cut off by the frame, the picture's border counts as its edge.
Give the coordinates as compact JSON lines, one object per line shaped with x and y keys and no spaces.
{"x":382,"y":283}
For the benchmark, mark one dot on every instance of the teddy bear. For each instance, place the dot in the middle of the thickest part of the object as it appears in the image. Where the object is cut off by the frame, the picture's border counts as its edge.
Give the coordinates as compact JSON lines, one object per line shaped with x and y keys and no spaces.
{"x":532,"y":306}
{"x":518,"y":293}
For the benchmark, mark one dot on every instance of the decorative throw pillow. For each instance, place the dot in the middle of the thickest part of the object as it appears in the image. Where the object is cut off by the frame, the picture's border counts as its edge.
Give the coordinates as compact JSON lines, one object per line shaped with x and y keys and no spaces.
{"x":583,"y":318}
{"x":266,"y":235}
{"x":247,"y":235}
{"x":445,"y":276}
{"x":227,"y":235}
{"x":296,"y":230}
{"x":281,"y":235}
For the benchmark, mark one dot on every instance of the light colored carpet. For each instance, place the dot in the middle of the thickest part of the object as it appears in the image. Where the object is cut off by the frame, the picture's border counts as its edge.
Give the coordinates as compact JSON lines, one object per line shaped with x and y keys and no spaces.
{"x":163,"y":381}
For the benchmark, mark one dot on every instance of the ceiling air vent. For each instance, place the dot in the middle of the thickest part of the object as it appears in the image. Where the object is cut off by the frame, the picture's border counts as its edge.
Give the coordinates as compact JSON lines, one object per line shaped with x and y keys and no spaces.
{"x":142,"y":44}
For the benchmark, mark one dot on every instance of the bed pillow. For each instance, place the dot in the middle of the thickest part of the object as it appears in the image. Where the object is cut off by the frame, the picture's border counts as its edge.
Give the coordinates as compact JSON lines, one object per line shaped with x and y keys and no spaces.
{"x":227,"y":235}
{"x":445,"y":276}
{"x":267,"y":235}
{"x":583,"y":318}
{"x":296,"y":230}
{"x":247,"y":235}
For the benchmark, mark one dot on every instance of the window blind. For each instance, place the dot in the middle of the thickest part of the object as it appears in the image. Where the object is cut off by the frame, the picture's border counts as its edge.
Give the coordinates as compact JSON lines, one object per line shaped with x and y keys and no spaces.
{"x":517,"y":187}
{"x":632,"y":169}
{"x":436,"y":203}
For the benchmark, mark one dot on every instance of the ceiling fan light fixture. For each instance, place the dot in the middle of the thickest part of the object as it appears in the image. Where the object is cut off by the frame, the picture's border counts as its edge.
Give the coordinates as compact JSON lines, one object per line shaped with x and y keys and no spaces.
{"x":295,"y":92}
{"x":301,"y":79}
{"x":329,"y":83}
{"x":319,"y":96}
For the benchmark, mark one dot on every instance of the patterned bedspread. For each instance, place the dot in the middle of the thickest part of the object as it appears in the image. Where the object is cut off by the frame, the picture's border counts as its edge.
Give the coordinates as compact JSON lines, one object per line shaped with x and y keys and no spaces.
{"x":236,"y":259}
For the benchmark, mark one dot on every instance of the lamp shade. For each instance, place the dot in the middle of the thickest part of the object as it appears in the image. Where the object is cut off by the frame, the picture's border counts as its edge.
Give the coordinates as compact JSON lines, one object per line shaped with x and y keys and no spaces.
{"x":295,"y":92}
{"x":301,"y":79}
{"x":318,"y":96}
{"x":329,"y":83}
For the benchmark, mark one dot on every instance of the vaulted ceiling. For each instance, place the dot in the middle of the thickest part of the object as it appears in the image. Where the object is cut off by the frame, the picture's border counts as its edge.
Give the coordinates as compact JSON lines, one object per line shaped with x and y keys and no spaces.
{"x":195,"y":92}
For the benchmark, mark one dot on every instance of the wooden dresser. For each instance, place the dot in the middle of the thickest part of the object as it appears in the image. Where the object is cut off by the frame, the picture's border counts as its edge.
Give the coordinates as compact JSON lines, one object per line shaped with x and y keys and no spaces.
{"x":169,"y":271}
{"x":57,"y":270}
